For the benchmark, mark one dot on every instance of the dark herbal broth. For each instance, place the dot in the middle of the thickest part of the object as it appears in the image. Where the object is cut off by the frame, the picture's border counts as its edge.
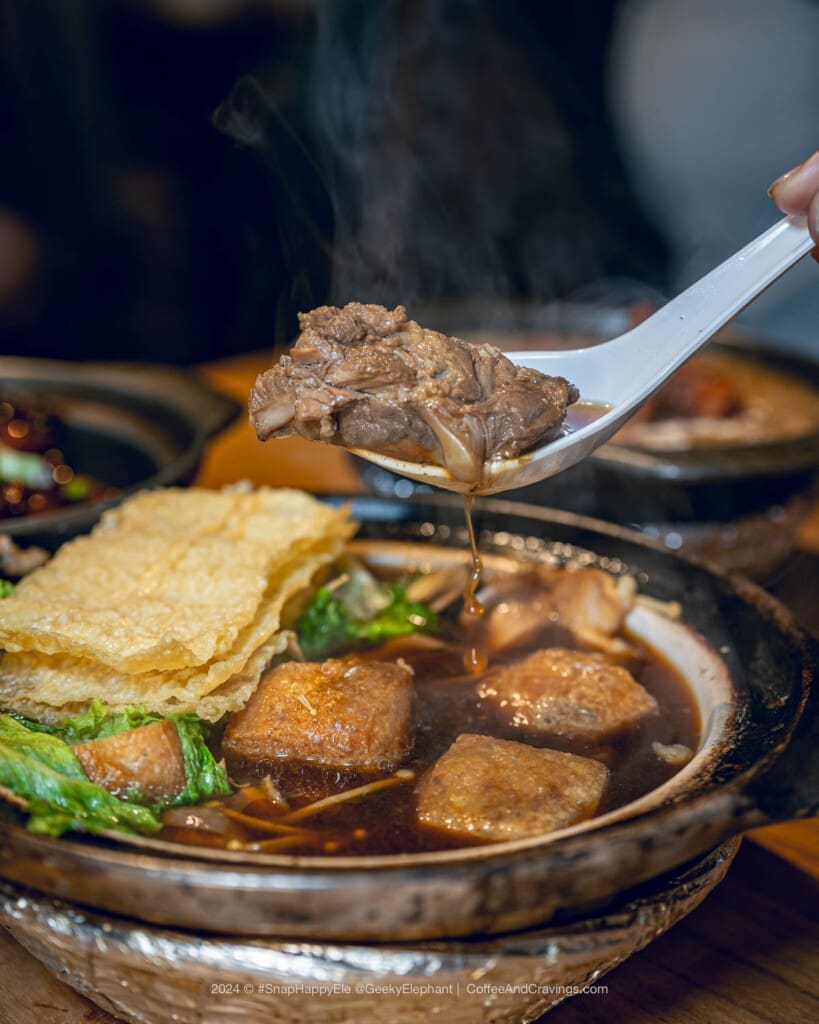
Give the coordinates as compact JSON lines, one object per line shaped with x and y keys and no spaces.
{"x":472,"y":606}
{"x":581,"y":414}
{"x":447,"y":705}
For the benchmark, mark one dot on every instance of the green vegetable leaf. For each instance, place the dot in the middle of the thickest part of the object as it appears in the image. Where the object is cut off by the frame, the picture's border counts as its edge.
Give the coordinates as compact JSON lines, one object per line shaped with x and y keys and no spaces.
{"x":401,"y":616}
{"x":96,"y":723}
{"x":31,"y":725}
{"x":42,"y":747}
{"x":6,"y":587}
{"x":38,"y":764}
{"x":329,"y":624}
{"x":204,"y":777}
{"x":325,"y":626}
{"x":45,"y":774}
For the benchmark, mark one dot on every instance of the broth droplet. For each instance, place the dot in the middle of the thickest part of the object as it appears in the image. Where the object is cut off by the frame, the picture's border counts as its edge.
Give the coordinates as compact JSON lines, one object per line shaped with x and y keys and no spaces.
{"x":476,"y":659}
{"x":472,"y":606}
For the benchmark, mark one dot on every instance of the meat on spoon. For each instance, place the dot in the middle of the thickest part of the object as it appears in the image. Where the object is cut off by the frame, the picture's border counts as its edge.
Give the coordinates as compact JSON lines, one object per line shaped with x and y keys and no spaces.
{"x":366,"y":377}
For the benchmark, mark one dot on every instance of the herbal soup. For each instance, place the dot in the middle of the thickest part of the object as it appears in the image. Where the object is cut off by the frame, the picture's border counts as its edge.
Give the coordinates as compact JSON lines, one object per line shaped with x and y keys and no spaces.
{"x":381,"y":718}
{"x":536,"y":715}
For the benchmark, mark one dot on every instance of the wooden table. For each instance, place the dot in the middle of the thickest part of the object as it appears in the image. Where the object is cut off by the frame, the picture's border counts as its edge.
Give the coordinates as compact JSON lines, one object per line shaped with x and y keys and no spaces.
{"x":750,"y":954}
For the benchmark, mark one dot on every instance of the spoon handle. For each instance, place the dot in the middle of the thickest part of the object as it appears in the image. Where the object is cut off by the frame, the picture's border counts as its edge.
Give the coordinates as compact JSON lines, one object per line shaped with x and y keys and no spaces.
{"x":627,"y":369}
{"x":683,"y":325}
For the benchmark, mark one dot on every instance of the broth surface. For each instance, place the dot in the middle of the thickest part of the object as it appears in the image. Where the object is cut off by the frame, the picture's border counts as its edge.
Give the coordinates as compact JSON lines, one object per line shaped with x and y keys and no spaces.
{"x":446,"y":677}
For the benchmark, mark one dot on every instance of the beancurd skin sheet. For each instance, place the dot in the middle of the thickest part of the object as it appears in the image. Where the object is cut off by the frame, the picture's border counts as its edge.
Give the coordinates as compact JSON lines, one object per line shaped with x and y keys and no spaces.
{"x":32,"y":683}
{"x":170,"y":580}
{"x":230,"y":696}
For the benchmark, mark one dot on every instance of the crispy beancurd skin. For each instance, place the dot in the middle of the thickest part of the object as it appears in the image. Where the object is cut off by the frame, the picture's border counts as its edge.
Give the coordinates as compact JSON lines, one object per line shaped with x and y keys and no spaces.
{"x":169,"y":579}
{"x":212,"y":591}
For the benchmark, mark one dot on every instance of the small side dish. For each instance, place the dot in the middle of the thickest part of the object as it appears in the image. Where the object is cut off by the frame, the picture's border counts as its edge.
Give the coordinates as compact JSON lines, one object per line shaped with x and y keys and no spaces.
{"x":720,"y":399}
{"x":35,"y":476}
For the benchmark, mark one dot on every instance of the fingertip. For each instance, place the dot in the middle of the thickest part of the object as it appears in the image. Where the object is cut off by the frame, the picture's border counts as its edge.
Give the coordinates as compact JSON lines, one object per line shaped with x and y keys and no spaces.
{"x":813,"y":218}
{"x":793,"y":191}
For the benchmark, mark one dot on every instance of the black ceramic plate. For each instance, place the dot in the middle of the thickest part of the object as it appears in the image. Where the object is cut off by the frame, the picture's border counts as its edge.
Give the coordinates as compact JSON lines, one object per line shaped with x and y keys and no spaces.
{"x":131,"y":426}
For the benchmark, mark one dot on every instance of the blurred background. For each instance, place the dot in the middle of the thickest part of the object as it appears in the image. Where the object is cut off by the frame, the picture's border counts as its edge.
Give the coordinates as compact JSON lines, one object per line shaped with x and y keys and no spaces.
{"x":180,"y":177}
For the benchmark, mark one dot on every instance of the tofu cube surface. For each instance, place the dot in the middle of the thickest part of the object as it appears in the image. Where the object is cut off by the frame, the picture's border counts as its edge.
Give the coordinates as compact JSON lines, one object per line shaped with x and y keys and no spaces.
{"x":343,"y":712}
{"x":495,"y":789}
{"x":567,"y":693}
{"x":147,"y":760}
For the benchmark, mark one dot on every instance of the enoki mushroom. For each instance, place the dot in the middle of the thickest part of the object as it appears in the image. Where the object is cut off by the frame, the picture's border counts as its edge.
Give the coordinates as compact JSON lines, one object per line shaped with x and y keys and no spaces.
{"x":402,"y":775}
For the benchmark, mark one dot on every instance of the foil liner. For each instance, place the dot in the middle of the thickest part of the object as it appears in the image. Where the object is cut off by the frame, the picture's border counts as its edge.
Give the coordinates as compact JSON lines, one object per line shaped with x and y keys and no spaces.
{"x":149,"y":975}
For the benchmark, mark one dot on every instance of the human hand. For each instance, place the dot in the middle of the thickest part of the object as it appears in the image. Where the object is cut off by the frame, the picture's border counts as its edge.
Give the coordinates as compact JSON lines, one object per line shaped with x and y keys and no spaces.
{"x":798,"y":192}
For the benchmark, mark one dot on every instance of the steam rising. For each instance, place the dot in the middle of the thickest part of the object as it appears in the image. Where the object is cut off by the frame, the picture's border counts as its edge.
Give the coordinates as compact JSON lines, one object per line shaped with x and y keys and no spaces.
{"x":424,"y":158}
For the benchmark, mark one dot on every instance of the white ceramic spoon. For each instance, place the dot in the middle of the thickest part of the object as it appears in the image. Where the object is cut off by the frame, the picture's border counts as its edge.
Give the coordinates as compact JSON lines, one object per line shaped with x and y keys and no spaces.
{"x":624,"y":372}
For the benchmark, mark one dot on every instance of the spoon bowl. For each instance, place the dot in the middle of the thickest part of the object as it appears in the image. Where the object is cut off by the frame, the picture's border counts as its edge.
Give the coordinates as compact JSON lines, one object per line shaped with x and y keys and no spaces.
{"x":623,"y":373}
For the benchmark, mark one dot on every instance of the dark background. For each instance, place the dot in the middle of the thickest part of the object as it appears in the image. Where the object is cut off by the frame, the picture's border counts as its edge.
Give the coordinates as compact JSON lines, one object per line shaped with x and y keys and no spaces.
{"x":395,"y":152}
